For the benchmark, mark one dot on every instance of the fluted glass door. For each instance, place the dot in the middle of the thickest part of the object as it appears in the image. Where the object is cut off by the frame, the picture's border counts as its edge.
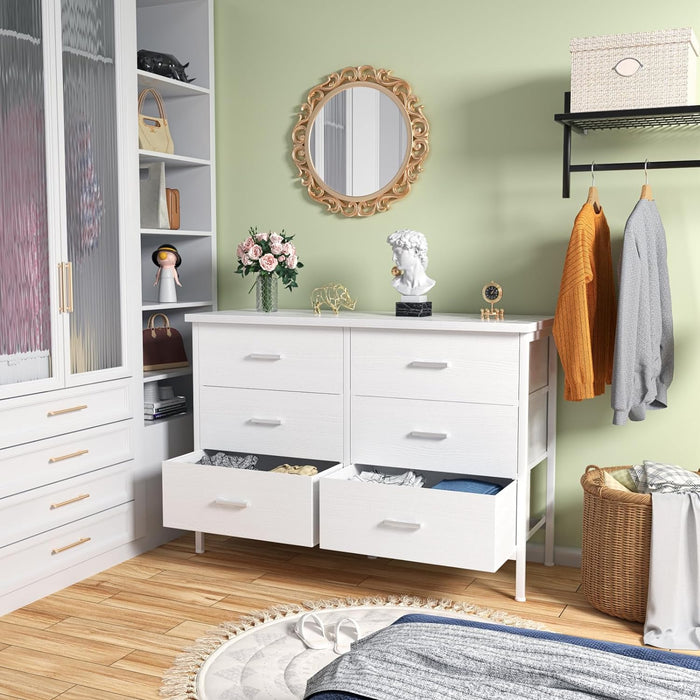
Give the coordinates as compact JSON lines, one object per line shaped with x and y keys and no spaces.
{"x":91,"y":181}
{"x":27,"y":337}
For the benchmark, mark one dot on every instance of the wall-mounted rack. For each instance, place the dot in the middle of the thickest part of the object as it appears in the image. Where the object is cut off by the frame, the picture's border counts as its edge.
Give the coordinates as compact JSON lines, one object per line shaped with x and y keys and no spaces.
{"x":582,"y":122}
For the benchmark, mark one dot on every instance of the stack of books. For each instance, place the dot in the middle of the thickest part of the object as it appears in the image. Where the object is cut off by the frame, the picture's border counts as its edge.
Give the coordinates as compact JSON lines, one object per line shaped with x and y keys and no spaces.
{"x":164,"y":408}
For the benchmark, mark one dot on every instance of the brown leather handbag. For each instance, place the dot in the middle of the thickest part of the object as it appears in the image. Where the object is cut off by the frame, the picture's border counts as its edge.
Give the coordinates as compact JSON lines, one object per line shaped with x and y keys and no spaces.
{"x":162,"y":346}
{"x":172,"y":198}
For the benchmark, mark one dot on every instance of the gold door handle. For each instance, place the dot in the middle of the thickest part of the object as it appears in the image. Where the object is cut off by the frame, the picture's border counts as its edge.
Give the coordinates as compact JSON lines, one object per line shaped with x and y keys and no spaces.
{"x":82,"y":540}
{"x":53,"y":460}
{"x":61,"y":290}
{"x":61,"y":411}
{"x":69,"y":286}
{"x":82,"y":497}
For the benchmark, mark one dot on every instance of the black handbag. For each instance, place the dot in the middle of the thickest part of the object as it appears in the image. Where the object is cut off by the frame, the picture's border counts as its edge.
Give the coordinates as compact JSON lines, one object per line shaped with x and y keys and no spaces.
{"x":164,"y":64}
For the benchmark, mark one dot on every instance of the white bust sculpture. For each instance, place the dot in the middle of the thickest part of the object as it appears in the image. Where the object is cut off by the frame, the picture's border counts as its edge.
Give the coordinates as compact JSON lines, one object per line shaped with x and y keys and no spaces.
{"x":411,"y":257}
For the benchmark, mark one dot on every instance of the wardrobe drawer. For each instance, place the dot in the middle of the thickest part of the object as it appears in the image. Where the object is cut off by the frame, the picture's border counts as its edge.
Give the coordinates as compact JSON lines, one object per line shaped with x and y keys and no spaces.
{"x":447,"y":528}
{"x":46,"y":415}
{"x":46,"y":461}
{"x":53,"y":551}
{"x":263,"y":357}
{"x":243,"y":502}
{"x":444,"y":366}
{"x":435,"y":435}
{"x":278,"y":422}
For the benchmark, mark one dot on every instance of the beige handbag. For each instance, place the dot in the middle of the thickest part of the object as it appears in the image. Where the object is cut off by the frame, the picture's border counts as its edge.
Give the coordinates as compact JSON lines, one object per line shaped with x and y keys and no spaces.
{"x":154,"y":133}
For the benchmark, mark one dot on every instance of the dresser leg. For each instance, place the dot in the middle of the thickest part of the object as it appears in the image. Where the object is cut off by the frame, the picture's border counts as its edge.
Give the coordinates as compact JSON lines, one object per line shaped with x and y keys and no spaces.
{"x":199,"y":542}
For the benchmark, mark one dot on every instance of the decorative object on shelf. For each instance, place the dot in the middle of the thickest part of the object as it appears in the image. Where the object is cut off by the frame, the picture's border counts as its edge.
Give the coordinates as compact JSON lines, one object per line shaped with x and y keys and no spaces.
{"x":163,"y":347}
{"x":172,"y":199}
{"x":164,"y":64}
{"x":410,"y":255}
{"x":335,"y":296}
{"x":168,"y":260}
{"x":349,"y":98}
{"x":152,"y":198}
{"x":271,"y":256}
{"x":154,"y":132}
{"x":634,"y":71}
{"x":492,"y":293}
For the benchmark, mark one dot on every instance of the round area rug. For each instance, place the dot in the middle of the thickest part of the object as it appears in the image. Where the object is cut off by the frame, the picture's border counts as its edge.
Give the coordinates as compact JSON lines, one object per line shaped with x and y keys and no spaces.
{"x":261,"y":657}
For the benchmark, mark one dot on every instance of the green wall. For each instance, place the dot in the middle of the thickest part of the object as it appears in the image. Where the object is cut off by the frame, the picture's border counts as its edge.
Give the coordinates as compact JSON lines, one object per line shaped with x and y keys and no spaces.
{"x":490,"y":75}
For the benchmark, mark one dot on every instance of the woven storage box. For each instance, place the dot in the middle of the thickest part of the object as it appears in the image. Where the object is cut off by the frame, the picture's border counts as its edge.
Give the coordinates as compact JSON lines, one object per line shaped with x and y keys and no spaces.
{"x":634,"y":71}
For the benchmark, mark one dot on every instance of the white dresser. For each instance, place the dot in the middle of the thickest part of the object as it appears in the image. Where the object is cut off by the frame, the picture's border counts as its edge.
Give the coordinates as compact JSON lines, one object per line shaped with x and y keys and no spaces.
{"x":446,"y":396}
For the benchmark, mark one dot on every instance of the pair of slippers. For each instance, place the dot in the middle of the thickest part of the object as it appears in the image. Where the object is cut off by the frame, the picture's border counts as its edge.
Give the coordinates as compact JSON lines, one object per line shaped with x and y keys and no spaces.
{"x":311,"y":631}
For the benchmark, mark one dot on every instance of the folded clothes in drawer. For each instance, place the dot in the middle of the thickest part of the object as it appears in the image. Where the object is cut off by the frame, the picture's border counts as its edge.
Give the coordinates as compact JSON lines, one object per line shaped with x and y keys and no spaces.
{"x":239,"y":460}
{"x":469,"y":486}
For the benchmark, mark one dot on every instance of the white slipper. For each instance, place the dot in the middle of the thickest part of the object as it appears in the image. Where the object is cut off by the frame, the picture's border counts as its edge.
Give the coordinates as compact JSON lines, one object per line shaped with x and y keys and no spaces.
{"x":347,"y":631}
{"x":310,"y":630}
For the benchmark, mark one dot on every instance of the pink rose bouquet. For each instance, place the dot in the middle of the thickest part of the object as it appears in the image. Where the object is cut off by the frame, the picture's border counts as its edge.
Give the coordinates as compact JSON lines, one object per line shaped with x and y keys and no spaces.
{"x":269,"y":253}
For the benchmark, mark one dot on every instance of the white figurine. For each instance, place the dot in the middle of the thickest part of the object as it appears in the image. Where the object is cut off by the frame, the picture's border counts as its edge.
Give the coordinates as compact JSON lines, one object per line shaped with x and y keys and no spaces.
{"x":168,"y":260}
{"x":410,"y":250}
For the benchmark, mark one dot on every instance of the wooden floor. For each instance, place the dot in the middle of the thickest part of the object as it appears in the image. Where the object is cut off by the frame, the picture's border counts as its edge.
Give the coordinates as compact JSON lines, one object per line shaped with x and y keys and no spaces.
{"x":112,"y":636}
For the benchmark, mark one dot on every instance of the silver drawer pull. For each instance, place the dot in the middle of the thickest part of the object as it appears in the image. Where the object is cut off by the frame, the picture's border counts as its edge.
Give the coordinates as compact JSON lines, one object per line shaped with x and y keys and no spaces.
{"x":82,"y":540}
{"x":265,"y":421}
{"x":53,"y":460}
{"x":267,"y":357}
{"x":429,"y":365}
{"x":403,"y":524}
{"x":230,"y":503}
{"x":61,"y":411}
{"x":427,"y":436}
{"x":82,"y":497}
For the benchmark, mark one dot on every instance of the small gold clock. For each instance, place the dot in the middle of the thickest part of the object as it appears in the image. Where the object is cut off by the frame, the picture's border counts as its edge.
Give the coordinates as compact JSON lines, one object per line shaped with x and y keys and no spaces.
{"x":492,"y":293}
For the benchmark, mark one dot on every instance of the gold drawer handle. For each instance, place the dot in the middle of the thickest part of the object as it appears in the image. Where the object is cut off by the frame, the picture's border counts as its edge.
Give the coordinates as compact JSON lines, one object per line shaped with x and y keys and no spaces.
{"x":61,"y":411}
{"x":53,"y":460}
{"x":82,"y":497}
{"x":82,"y":540}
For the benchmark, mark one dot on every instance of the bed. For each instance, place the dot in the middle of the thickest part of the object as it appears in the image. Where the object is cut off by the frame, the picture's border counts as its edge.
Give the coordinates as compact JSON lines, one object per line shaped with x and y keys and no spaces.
{"x":425,"y":657}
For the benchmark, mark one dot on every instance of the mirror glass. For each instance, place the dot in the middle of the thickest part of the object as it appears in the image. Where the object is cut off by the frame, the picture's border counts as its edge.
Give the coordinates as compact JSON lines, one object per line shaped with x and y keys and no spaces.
{"x":359,"y":141}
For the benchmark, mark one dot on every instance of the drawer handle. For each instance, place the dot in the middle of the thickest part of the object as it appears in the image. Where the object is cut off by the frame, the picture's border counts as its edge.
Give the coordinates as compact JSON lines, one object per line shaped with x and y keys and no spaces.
{"x":82,"y":540}
{"x":61,"y":411}
{"x":402,"y":524}
{"x":423,"y":435}
{"x":229,"y":503}
{"x":82,"y":497}
{"x":265,"y":421}
{"x":266,"y":357}
{"x":428,"y":365}
{"x":53,"y":460}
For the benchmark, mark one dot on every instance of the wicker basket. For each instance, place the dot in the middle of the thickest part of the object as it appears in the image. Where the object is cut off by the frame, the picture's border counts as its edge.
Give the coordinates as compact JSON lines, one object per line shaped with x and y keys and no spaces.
{"x":615,"y":550}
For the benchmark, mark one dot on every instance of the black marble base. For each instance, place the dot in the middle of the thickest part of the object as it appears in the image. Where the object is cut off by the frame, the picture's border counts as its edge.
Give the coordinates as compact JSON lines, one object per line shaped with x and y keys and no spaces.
{"x":414,"y":308}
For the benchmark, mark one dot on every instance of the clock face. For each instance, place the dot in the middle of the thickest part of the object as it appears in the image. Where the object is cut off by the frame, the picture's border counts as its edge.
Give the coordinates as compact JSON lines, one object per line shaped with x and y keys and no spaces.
{"x":492,"y":292}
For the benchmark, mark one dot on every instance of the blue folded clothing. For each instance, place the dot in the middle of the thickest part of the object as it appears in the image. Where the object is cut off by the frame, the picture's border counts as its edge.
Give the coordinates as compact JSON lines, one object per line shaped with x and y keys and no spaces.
{"x":468,"y":485}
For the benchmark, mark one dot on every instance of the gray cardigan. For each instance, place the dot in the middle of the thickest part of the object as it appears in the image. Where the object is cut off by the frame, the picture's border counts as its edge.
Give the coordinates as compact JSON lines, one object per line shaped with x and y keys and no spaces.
{"x":643,"y":359}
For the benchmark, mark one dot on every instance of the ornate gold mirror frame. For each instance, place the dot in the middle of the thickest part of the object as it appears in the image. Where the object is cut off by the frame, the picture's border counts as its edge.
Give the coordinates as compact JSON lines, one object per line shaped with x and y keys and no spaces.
{"x":416,"y":126}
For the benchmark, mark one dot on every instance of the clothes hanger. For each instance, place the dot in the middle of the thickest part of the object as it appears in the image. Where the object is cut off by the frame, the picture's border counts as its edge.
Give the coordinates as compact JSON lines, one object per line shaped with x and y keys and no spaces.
{"x":593,"y":192}
{"x":646,"y":189}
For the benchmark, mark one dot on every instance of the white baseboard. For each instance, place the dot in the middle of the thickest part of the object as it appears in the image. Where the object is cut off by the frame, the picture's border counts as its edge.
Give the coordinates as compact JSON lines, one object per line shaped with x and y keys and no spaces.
{"x":563,"y":556}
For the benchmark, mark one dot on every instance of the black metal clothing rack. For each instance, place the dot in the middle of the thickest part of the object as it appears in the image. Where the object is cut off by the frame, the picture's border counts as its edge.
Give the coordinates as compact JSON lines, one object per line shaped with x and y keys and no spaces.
{"x":582,"y":122}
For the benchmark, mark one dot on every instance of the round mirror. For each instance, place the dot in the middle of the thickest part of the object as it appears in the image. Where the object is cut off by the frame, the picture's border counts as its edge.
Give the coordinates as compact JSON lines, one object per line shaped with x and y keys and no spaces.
{"x":360,"y":141}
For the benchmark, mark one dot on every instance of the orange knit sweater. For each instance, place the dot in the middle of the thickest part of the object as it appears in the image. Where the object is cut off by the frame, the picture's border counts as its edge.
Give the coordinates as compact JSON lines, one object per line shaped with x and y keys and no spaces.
{"x":584,"y":322}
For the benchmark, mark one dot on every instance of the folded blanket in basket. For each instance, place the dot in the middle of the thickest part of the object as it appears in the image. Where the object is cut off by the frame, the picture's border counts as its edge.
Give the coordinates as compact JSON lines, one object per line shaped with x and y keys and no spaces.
{"x":664,"y":478}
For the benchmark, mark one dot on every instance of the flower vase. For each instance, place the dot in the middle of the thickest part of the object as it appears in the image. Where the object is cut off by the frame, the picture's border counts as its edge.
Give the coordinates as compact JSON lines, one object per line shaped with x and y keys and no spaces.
{"x":266,"y":293}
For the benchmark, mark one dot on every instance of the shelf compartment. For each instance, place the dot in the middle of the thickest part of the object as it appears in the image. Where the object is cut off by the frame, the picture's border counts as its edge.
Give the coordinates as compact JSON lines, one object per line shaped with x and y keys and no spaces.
{"x":171,"y":160}
{"x":156,"y":375}
{"x":155,"y":306}
{"x":175,"y":232}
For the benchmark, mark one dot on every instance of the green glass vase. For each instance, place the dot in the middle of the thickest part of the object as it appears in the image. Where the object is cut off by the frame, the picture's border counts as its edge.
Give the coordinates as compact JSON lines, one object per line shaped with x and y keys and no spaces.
{"x":266,"y":293}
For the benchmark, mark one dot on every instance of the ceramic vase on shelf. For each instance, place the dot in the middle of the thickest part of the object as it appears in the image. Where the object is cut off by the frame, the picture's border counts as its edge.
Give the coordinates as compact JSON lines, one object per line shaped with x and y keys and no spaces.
{"x":266,"y":293}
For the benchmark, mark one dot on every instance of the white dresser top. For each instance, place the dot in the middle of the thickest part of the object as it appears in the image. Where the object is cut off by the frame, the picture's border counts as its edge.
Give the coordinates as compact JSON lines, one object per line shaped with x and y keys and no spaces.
{"x":354,"y":319}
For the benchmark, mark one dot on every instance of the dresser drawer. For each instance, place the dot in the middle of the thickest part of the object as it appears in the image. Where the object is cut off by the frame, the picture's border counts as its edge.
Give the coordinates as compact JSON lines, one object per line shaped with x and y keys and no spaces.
{"x":243,"y":502}
{"x":46,"y":461}
{"x":45,"y":415}
{"x":435,"y":435}
{"x":53,"y":551}
{"x":52,"y":506}
{"x":278,"y":422}
{"x":442,"y":366}
{"x":465,"y":530}
{"x":261,"y":357}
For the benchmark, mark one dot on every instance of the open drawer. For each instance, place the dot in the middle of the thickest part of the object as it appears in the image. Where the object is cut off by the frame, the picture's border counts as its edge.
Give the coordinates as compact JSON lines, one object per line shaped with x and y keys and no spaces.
{"x":449,"y":528}
{"x":253,"y":503}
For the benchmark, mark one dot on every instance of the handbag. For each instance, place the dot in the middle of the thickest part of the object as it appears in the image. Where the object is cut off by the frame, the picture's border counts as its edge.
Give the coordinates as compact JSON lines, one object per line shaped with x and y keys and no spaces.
{"x":172,"y":198}
{"x":162,"y":346}
{"x":153,"y":202}
{"x":154,"y":132}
